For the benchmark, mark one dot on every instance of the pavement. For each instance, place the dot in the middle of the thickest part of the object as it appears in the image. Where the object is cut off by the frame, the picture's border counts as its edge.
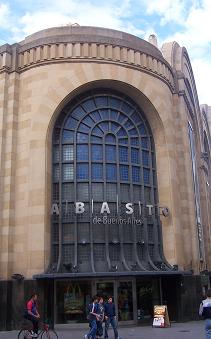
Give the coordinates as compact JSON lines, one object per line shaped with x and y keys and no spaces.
{"x":193,"y":330}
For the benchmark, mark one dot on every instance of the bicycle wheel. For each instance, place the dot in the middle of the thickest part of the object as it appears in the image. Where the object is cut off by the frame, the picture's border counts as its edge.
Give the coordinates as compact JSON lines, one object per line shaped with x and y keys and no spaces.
{"x":50,"y":334}
{"x":24,"y":334}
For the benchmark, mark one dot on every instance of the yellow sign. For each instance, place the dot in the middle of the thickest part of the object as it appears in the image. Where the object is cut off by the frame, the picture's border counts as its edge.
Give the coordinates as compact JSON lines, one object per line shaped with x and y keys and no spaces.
{"x":161,"y":317}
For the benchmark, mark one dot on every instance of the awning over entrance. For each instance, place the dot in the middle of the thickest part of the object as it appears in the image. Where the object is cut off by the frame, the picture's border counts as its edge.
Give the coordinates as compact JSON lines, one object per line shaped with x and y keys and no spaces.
{"x":109,"y":274}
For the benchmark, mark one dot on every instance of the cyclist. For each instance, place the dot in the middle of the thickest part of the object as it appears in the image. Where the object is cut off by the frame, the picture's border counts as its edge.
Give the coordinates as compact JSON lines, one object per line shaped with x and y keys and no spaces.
{"x":32,"y":314}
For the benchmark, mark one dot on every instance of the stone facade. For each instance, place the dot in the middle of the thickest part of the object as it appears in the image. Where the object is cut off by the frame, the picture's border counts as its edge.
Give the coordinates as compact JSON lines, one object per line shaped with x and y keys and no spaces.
{"x":38,"y":76}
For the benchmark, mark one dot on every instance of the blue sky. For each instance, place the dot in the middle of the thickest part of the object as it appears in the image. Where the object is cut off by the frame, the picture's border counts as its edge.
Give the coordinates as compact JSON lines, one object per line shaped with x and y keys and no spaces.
{"x":186,"y":21}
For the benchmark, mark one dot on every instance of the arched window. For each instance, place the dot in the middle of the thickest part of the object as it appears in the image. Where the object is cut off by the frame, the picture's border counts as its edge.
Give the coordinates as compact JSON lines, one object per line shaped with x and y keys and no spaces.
{"x":103,"y":152}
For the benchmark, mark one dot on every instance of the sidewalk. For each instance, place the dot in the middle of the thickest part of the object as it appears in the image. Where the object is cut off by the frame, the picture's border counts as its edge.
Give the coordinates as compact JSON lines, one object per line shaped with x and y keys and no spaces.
{"x":193,"y":330}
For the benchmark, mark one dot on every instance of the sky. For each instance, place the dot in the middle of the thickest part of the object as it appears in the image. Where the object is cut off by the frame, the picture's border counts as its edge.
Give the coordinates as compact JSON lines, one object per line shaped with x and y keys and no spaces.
{"x":186,"y":21}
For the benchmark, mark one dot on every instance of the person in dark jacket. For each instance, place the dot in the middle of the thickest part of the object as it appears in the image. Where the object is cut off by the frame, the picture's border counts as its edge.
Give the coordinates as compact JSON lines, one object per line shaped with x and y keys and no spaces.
{"x":110,"y":317}
{"x":205,"y":312}
{"x":92,"y":316}
{"x":100,"y":319}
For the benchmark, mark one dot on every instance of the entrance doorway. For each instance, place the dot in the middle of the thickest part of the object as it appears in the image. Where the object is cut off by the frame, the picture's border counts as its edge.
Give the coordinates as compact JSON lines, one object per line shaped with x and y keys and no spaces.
{"x":123,"y":293}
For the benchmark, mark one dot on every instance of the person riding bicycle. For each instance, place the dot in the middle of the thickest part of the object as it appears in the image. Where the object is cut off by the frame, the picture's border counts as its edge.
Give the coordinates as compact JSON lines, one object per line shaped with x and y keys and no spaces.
{"x":32,"y":314}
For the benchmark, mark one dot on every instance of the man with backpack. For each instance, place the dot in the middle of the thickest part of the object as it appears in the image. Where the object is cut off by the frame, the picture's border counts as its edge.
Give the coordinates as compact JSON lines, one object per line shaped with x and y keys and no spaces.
{"x":92,"y":317}
{"x":205,"y":312}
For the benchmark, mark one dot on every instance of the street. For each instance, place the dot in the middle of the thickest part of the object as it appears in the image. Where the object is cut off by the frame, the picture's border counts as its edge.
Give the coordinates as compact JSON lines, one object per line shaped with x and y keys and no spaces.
{"x":193,"y":330}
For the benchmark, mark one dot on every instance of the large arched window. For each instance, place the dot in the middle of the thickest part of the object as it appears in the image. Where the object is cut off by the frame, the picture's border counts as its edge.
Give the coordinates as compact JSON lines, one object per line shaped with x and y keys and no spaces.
{"x":103,"y":151}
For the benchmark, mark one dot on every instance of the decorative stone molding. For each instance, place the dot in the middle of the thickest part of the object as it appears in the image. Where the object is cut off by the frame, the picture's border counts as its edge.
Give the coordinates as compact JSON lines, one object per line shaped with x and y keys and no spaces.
{"x":133,"y":52}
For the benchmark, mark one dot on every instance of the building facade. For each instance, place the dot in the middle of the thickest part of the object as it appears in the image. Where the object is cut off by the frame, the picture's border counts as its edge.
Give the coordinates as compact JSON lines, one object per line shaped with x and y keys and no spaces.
{"x":105,"y":176}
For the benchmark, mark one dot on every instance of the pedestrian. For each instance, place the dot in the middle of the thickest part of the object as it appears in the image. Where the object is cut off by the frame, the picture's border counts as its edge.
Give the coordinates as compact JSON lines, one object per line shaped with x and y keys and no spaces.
{"x":110,"y":317}
{"x":205,"y":312}
{"x":92,"y":316}
{"x":32,"y":314}
{"x":100,"y":319}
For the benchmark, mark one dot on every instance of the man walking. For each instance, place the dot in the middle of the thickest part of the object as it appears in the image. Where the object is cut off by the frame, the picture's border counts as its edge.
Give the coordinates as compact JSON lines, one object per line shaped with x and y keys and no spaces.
{"x":92,"y":317}
{"x":110,"y":317}
{"x":205,"y":312}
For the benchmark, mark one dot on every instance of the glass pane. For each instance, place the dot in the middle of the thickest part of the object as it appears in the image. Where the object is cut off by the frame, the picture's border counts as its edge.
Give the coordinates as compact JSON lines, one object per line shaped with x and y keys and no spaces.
{"x":145,"y":142}
{"x":142,"y":129}
{"x":114,"y":127}
{"x":135,"y":155}
{"x":99,"y":252}
{"x":68,"y":253}
{"x":88,"y":121}
{"x":71,"y":123}
{"x":67,"y":152}
{"x":114,"y":252}
{"x":56,"y":173}
{"x":123,"y":141}
{"x":115,"y":103}
{"x":56,"y":192}
{"x":68,"y":231}
{"x":72,"y":300}
{"x":83,"y":232}
{"x":104,"y":126}
{"x":125,"y":192}
{"x":121,"y":132}
{"x":82,"y":152}
{"x":96,"y":139}
{"x":124,"y":174}
{"x":145,"y":158}
{"x":110,"y":138}
{"x":104,"y":114}
{"x":67,"y":136}
{"x":128,"y":124}
{"x":136,"y":174}
{"x":136,"y":118}
{"x":125,"y":301}
{"x":56,"y":154}
{"x":146,"y":173}
{"x":68,"y":192}
{"x":83,"y":192}
{"x":95,"y":116}
{"x":97,"y":192}
{"x":123,"y":154}
{"x":84,"y":128}
{"x":110,"y":153}
{"x":133,"y":132}
{"x":110,"y":172}
{"x":82,"y":171}
{"x":78,"y":113}
{"x":122,"y":118}
{"x":147,"y":194}
{"x":134,"y":141}
{"x":81,"y":137}
{"x":114,"y":115}
{"x":97,"y":171}
{"x":97,"y":152}
{"x":111,"y":192}
{"x":105,"y":289}
{"x":101,"y":101}
{"x":126,"y":108}
{"x":67,"y":171}
{"x":137,"y":193}
{"x":89,"y":105}
{"x":97,"y":131}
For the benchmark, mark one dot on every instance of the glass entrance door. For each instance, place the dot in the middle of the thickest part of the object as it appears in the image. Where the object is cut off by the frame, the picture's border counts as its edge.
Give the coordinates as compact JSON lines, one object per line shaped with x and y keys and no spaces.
{"x":125,"y":300}
{"x":123,"y":293}
{"x":105,"y":289}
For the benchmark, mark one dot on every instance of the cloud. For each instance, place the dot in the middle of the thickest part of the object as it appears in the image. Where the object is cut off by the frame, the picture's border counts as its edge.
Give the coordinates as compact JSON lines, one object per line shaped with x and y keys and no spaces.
{"x":202,"y":74}
{"x":168,"y":10}
{"x":53,"y":13}
{"x":4,"y":14}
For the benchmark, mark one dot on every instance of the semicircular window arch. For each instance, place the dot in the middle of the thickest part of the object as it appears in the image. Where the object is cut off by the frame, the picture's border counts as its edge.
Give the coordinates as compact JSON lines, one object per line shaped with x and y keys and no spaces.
{"x":103,"y":151}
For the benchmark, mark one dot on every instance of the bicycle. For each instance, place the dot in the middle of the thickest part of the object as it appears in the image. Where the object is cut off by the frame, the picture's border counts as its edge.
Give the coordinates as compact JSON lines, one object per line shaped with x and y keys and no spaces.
{"x":45,"y":332}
